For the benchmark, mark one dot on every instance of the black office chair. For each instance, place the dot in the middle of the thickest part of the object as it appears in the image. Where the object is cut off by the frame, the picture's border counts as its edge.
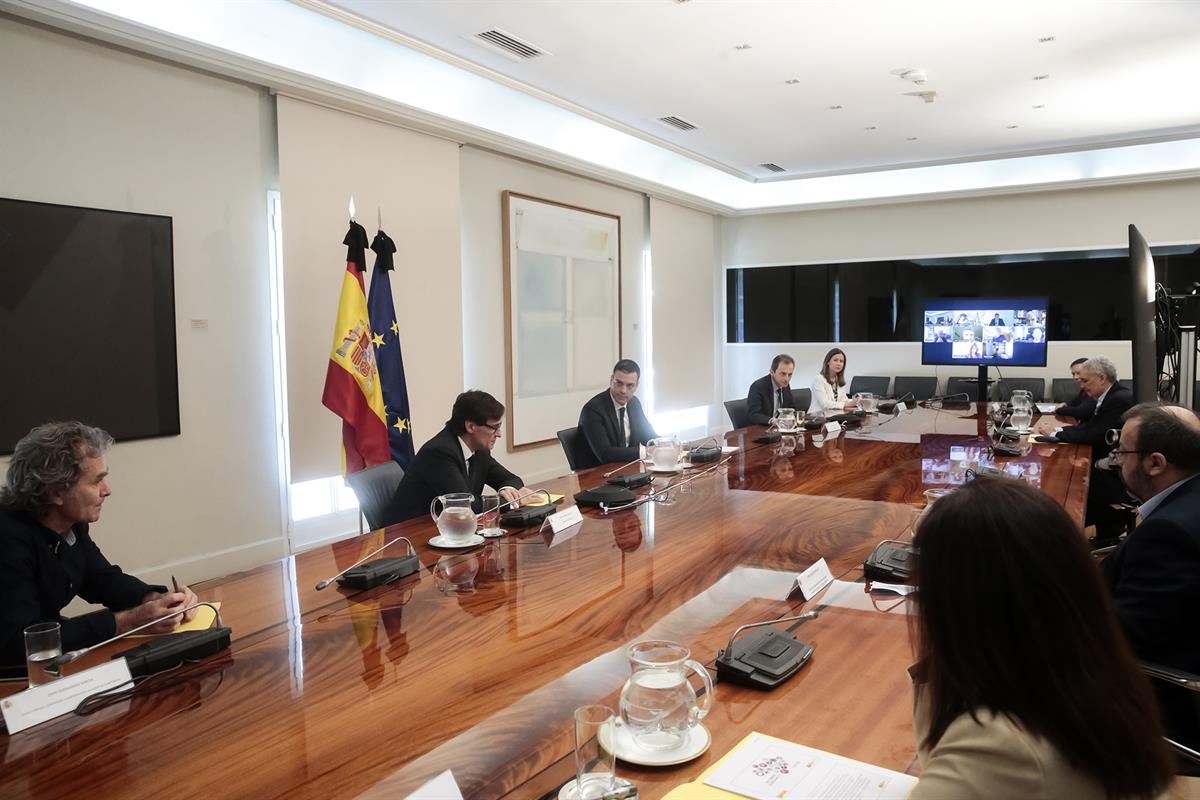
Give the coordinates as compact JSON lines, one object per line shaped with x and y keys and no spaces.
{"x":567,"y":437}
{"x":803,"y":398}
{"x":374,"y":487}
{"x":1035,"y":386}
{"x":877,"y":386}
{"x":1127,"y":383}
{"x":738,"y":415}
{"x":920,"y":387}
{"x":958,"y":385}
{"x":1063,"y":390}
{"x":1179,"y":698}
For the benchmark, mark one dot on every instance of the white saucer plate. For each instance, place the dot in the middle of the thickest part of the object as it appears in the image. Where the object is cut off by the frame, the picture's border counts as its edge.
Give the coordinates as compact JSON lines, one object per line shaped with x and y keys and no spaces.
{"x":667,"y":470}
{"x":440,"y":541}
{"x":490,"y":533}
{"x":570,"y":792}
{"x":695,"y":745}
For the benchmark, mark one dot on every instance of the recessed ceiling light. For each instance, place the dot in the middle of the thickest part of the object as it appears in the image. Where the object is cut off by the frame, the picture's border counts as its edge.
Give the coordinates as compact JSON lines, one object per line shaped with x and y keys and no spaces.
{"x":871,"y":128}
{"x":1012,"y":127}
{"x":741,"y":47}
{"x":1040,"y":105}
{"x":911,"y":139}
{"x":792,"y":81}
{"x":835,"y":108}
{"x":1041,"y":77}
{"x":1046,"y":39}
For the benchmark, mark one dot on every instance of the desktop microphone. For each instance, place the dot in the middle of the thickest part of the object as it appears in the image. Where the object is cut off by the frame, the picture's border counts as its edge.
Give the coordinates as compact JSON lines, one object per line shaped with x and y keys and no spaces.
{"x":213,"y":636}
{"x":526,"y":516}
{"x":612,"y":472}
{"x":890,"y":406}
{"x":628,"y":481}
{"x":699,"y":454}
{"x":385,"y":570}
{"x":942,"y":398}
{"x":766,"y":658}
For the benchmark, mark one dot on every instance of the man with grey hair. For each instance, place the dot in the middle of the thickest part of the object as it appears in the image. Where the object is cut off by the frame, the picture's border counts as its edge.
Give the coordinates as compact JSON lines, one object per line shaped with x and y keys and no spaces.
{"x":1154,"y":575}
{"x":1098,"y":378}
{"x":57,"y":482}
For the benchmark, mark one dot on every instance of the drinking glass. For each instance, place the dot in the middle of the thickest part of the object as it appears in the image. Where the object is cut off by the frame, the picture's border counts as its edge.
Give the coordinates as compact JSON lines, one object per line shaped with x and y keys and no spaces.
{"x":595,"y":759}
{"x":43,"y":643}
{"x":489,"y":516}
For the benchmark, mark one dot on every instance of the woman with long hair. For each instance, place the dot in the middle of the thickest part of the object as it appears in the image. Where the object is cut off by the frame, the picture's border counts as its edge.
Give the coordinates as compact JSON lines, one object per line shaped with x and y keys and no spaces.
{"x":1024,"y":686}
{"x":829,"y":394}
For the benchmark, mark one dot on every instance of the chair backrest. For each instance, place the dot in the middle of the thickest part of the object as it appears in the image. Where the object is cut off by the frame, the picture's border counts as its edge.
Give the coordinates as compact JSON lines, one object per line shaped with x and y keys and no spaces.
{"x":737,"y":412}
{"x":1127,"y":383}
{"x":1063,"y":390}
{"x":1178,"y":695}
{"x":957,"y":384}
{"x":567,"y":438}
{"x":876,"y":385}
{"x":803,"y":398}
{"x":921,"y":387}
{"x":1035,"y":386}
{"x":374,"y":487}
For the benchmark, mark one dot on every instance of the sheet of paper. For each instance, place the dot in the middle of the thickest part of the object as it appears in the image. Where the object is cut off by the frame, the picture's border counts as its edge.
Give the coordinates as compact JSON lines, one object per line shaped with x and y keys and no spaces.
{"x":1046,"y":408}
{"x":202,"y":621}
{"x":766,"y":768}
{"x":540,"y":499}
{"x":443,"y":787}
{"x":813,"y":580}
{"x":40,"y":703}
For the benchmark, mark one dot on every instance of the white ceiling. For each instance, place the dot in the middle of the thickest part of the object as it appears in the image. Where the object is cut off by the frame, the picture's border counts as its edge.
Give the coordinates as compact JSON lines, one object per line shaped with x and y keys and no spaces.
{"x":1119,"y":72}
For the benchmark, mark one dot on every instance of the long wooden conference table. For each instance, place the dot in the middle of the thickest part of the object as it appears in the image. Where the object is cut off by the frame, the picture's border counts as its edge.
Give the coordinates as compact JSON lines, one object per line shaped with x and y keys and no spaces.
{"x":476,"y":663}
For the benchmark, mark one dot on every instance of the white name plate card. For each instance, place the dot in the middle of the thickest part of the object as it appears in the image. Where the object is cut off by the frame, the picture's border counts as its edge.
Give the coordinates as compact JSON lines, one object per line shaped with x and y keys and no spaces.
{"x":37,"y":704}
{"x":833,"y":428}
{"x":813,"y":580}
{"x":561,"y":520}
{"x":901,"y":408}
{"x":443,"y":787}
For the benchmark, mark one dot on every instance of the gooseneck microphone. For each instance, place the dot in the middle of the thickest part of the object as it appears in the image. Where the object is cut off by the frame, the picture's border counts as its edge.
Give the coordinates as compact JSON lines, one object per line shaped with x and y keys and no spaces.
{"x":55,"y":665}
{"x":530,"y":493}
{"x":942,"y":398}
{"x":411,"y":551}
{"x":612,"y":472}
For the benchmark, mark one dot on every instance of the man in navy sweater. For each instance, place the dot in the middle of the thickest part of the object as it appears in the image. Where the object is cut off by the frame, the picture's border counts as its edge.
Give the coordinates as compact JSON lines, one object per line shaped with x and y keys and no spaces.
{"x":56,"y":484}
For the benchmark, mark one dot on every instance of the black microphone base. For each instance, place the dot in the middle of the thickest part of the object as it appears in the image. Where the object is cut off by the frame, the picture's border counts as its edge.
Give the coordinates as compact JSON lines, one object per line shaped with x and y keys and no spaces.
{"x":378,"y":572}
{"x":168,"y":652}
{"x":632,"y":481}
{"x":763,"y":659}
{"x":526,"y":516}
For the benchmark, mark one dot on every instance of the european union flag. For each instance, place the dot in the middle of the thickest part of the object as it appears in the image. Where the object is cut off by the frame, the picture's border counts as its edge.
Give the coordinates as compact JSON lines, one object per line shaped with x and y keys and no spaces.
{"x":385,"y":333}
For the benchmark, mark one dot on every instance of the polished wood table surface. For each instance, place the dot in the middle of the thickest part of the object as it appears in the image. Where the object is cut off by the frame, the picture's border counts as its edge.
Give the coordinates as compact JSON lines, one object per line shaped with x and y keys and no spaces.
{"x":476,"y":663}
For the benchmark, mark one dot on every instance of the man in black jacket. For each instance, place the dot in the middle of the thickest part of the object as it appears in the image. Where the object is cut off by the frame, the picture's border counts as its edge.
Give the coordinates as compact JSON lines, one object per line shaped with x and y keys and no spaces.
{"x":771,"y":392}
{"x":1098,"y":377}
{"x":457,"y":459}
{"x":57,"y":482}
{"x":1154,"y":575}
{"x":1082,"y":406}
{"x":612,"y":425}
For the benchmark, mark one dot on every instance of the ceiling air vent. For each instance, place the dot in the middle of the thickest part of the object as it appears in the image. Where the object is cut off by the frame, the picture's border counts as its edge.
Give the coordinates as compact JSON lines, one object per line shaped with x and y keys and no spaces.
{"x":508,"y":44}
{"x":677,"y":122}
{"x":772,"y":167}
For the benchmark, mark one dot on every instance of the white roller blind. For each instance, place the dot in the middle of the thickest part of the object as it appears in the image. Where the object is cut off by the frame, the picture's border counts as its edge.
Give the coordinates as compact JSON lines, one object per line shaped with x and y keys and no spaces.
{"x":326,"y":156}
{"x":683,"y":259}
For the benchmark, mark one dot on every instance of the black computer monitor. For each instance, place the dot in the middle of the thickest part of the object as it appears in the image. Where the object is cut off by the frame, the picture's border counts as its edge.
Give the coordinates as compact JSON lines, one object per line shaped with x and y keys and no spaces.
{"x":990,"y":331}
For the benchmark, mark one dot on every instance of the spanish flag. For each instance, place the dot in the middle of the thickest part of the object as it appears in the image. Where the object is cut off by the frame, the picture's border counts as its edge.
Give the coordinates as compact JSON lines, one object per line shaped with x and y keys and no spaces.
{"x":352,"y":381}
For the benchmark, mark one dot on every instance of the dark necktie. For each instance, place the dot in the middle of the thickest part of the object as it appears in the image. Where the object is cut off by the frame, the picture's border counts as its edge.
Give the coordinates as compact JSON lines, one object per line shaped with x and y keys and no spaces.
{"x":621,"y":421}
{"x":470,"y":461}
{"x":779,"y":398}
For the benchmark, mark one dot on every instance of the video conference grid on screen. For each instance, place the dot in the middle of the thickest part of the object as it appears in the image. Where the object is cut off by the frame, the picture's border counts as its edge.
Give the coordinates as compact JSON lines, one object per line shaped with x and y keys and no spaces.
{"x":982,"y":332}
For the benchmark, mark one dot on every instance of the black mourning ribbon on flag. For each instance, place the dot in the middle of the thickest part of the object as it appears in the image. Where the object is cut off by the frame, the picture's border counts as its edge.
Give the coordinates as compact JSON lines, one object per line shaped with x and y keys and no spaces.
{"x":356,"y":246}
{"x":383,"y":247}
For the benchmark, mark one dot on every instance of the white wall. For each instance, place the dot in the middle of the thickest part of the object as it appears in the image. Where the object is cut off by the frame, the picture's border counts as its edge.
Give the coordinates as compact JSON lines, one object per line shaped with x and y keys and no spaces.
{"x":484,"y":176}
{"x":325,"y":156}
{"x":87,"y":125}
{"x":1165,"y":212}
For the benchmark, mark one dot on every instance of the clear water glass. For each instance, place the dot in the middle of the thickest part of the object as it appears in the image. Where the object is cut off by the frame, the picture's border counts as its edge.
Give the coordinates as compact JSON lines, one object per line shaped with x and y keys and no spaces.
{"x":595,"y":759}
{"x":43,"y":643}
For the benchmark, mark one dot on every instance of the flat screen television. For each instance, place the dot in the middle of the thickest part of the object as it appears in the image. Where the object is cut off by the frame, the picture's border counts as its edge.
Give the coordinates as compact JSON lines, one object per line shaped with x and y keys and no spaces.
{"x":993,"y":331}
{"x":87,"y":317}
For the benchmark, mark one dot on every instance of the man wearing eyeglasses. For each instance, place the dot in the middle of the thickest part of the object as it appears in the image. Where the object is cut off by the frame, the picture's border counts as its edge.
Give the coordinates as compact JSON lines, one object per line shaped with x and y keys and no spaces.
{"x":1154,"y":575}
{"x":457,"y":459}
{"x":612,"y":425}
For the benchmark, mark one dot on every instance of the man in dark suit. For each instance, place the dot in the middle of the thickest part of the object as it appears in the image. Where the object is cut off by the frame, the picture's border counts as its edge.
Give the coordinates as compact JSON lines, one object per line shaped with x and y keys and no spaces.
{"x":457,"y":459}
{"x":771,"y":392}
{"x":612,"y":425}
{"x":56,"y":484}
{"x":1098,"y":377}
{"x":1154,"y":575}
{"x":1082,"y":406}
